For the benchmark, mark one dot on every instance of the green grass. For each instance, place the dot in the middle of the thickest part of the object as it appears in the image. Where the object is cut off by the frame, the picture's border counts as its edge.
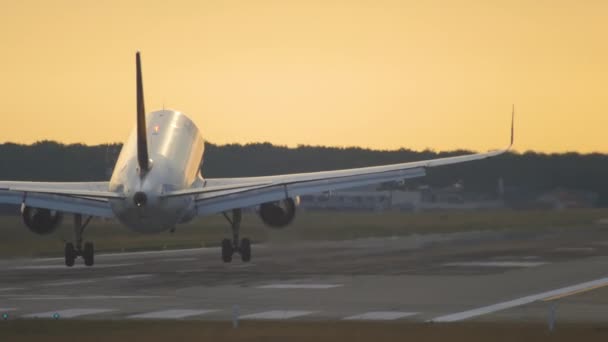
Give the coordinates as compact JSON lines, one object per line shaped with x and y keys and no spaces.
{"x":16,"y":240}
{"x":162,"y":331}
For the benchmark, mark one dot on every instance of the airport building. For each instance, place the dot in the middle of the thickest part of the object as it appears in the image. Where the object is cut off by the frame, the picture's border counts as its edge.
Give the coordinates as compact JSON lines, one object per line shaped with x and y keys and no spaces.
{"x":422,"y":198}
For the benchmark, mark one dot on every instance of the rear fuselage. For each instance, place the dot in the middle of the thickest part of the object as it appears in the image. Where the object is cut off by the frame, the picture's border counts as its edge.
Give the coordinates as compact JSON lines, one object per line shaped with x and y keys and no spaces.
{"x":175,"y":148}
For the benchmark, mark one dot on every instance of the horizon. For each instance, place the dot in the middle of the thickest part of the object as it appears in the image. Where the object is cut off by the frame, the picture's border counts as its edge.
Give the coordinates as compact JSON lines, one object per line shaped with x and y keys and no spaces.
{"x":425,"y":150}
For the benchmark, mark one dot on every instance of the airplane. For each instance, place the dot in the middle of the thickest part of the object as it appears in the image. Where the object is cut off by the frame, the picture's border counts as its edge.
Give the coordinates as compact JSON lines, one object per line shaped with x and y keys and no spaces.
{"x":157,"y":184}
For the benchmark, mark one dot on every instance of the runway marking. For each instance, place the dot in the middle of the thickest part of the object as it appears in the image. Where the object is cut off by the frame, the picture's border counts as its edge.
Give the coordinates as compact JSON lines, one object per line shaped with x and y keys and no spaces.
{"x":167,"y":251}
{"x":71,"y":282}
{"x":143,"y":253}
{"x":179,"y":259}
{"x":459,"y":316}
{"x":69,"y":313}
{"x":50,"y":267}
{"x":171,"y":314}
{"x":64,"y":297}
{"x":495,"y":264}
{"x":4,"y":289}
{"x":89,"y":281}
{"x":93,"y":280}
{"x":575,"y":292}
{"x":247,"y":265}
{"x":299,"y":286}
{"x":7,"y":309}
{"x":575,"y":249}
{"x":205,"y":250}
{"x":132,"y":276}
{"x":530,"y":257}
{"x":380,"y":316}
{"x":196,"y":270}
{"x":278,"y":314}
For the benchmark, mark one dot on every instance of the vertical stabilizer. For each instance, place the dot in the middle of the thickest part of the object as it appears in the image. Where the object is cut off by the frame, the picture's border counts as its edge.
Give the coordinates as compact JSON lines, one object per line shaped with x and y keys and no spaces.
{"x":512,"y":126}
{"x":142,"y":142}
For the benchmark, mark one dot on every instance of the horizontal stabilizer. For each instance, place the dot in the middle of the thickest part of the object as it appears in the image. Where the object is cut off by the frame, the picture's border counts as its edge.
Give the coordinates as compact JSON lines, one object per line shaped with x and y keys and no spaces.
{"x":66,"y":192}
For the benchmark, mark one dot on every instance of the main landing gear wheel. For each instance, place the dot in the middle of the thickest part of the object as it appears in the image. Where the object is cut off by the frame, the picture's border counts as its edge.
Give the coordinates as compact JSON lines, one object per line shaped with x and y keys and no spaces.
{"x":245,"y":250}
{"x":243,"y":247}
{"x":71,"y":252}
{"x":88,"y":254}
{"x":227,"y":250}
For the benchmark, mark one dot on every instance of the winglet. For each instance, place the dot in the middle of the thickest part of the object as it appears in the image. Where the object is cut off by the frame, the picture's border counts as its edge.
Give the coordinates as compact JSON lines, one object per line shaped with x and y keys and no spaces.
{"x":142,"y":142}
{"x":512,"y":127}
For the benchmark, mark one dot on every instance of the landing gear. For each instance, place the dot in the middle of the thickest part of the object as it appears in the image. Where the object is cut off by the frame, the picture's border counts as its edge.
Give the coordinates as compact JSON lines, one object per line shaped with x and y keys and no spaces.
{"x":245,"y":249}
{"x":229,"y":247}
{"x":88,"y":254}
{"x":71,"y":252}
{"x":227,"y":250}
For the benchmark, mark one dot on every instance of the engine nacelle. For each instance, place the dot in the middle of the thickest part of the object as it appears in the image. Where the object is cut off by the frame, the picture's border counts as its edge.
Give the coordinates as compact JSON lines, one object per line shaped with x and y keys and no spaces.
{"x":41,"y":221}
{"x":279,"y":214}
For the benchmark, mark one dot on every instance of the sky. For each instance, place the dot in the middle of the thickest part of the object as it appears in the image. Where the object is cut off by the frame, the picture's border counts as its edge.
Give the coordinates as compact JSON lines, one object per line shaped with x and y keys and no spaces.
{"x":381,"y":74}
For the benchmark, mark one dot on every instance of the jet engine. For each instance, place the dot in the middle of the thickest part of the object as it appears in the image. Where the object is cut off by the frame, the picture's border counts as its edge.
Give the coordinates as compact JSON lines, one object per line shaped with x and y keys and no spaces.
{"x":41,"y":221}
{"x":279,"y":214}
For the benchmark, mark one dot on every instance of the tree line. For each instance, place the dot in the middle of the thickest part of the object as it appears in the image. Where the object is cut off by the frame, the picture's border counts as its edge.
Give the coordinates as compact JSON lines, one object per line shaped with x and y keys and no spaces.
{"x":529,"y":171}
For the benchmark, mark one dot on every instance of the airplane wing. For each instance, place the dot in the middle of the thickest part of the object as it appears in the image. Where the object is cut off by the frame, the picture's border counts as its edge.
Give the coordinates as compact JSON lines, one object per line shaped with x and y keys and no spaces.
{"x":88,"y":198}
{"x":222,"y":194}
{"x":258,"y":190}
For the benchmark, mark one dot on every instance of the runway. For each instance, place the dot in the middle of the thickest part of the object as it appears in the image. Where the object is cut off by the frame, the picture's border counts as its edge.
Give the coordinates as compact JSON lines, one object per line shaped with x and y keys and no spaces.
{"x":428,"y":278}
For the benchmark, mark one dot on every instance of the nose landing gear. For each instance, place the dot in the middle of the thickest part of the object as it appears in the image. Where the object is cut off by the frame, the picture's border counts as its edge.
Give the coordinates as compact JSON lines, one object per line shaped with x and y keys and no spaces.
{"x":71,"y":252}
{"x":229,"y":247}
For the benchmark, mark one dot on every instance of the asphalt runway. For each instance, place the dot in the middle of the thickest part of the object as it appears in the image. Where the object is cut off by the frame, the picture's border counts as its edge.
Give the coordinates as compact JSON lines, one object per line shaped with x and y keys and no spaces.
{"x":429,"y":278}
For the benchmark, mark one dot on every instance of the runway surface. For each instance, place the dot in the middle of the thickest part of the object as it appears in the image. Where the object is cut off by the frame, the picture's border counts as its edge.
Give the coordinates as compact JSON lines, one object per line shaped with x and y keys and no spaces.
{"x":440,"y":278}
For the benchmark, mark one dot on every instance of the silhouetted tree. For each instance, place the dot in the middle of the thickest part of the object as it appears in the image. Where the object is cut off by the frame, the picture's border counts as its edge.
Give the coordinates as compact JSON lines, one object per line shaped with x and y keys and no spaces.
{"x":52,"y":161}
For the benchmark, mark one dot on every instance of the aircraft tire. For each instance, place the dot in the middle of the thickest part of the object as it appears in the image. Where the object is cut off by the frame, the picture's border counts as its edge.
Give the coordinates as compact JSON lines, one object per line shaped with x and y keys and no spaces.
{"x":245,"y":250}
{"x":69,"y":254}
{"x":227,"y":250}
{"x":89,"y":254}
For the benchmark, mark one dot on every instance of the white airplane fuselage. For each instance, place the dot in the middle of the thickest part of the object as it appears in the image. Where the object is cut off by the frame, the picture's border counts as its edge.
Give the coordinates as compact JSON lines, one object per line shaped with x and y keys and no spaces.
{"x":175,"y":148}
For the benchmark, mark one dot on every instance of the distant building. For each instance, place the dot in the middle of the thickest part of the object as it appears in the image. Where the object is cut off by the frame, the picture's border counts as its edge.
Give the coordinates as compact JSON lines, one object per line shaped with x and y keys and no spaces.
{"x":422,"y":198}
{"x":362,"y":200}
{"x":455,"y":197}
{"x":563,"y":198}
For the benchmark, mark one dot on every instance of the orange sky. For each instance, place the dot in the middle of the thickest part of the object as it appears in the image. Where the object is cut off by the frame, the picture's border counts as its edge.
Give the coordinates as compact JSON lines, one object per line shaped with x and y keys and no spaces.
{"x":380,"y":74}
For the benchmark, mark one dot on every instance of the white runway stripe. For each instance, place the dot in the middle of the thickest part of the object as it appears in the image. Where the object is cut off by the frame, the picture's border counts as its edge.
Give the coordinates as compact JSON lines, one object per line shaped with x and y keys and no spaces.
{"x":7,"y":309}
{"x":66,"y":297}
{"x":69,"y":313}
{"x":575,"y":249}
{"x":4,"y":289}
{"x":278,"y":314}
{"x":179,"y":259}
{"x":123,"y":255}
{"x":459,"y":316}
{"x":495,"y":264}
{"x":192,"y":270}
{"x":381,"y":315}
{"x":299,"y":286}
{"x":247,"y":265}
{"x":171,"y":314}
{"x":132,"y":276}
{"x":63,"y":267}
{"x":71,"y":282}
{"x":93,"y":280}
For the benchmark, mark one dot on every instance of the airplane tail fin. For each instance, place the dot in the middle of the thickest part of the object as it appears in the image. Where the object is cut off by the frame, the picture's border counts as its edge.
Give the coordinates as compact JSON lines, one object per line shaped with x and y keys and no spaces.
{"x":512,"y":127}
{"x":142,"y":142}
